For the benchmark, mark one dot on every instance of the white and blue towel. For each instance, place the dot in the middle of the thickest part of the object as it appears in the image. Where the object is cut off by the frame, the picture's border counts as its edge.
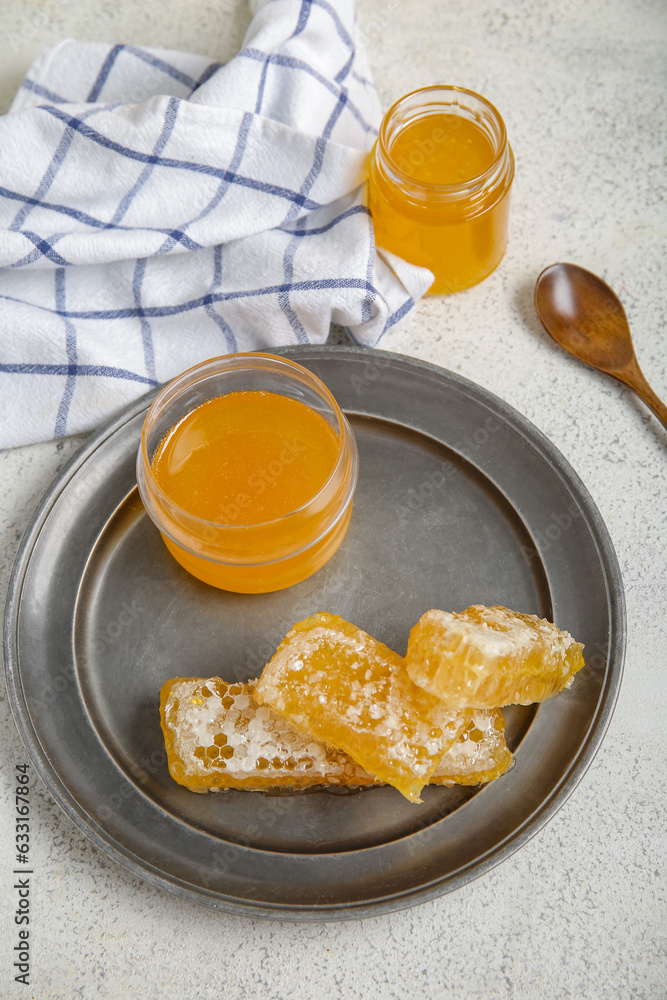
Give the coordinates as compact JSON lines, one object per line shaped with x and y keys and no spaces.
{"x":158,"y":209}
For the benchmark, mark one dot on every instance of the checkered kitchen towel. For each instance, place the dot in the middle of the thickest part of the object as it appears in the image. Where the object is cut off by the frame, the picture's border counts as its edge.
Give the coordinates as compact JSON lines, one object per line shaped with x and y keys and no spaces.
{"x":157,"y":209}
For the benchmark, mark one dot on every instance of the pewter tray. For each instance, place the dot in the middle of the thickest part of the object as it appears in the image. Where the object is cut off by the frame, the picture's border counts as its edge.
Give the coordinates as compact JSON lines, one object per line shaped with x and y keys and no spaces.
{"x":460,"y":501}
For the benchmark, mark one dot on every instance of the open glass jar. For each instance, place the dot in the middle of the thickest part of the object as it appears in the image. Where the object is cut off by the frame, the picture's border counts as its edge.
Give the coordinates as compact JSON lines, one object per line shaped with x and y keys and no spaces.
{"x":440,"y":179}
{"x":248,"y":467}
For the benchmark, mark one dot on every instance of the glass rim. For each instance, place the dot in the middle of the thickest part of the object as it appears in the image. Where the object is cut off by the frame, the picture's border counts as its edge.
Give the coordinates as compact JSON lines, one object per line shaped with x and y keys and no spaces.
{"x":480,"y":182}
{"x":186,"y":378}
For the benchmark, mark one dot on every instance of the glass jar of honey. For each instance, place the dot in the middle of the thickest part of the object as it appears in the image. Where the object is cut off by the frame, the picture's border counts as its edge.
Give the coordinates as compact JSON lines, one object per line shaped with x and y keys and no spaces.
{"x":247,"y":466}
{"x":440,"y":179}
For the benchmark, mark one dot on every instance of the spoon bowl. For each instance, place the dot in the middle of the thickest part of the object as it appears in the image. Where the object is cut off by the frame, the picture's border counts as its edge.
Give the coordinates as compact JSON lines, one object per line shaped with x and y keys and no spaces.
{"x":585,"y":316}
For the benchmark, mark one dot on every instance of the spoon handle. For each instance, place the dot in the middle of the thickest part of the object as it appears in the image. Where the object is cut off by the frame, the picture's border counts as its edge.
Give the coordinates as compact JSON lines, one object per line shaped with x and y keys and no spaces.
{"x":634,"y":377}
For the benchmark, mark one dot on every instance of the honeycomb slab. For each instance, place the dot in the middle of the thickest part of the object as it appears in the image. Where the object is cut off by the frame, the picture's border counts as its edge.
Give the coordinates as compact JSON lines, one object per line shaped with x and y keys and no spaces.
{"x":479,"y":754}
{"x":487,"y":657}
{"x":217,"y":737}
{"x":340,"y":686}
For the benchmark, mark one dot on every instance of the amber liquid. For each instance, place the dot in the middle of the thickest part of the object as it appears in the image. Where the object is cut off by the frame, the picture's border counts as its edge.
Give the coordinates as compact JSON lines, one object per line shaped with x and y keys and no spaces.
{"x":249,"y":459}
{"x":442,"y":149}
{"x":462,"y":241}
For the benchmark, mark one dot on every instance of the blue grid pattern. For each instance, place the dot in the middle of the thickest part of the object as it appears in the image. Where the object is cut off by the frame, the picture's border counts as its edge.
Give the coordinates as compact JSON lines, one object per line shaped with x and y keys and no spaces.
{"x":176,"y":209}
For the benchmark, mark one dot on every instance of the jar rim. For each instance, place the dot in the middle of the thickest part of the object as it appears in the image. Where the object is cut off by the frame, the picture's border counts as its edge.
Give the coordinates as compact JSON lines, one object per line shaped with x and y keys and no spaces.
{"x":218,"y":365}
{"x":480,"y":183}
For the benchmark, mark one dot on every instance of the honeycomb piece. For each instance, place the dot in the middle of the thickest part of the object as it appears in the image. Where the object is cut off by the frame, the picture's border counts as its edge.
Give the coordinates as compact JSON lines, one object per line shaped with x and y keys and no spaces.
{"x":490,"y":657}
{"x":217,"y":737}
{"x":479,"y":754}
{"x":341,"y":686}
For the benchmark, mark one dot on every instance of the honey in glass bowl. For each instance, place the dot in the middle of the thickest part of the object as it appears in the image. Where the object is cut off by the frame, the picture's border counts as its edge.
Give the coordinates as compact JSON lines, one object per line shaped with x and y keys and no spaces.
{"x":440,"y":178}
{"x":248,"y":467}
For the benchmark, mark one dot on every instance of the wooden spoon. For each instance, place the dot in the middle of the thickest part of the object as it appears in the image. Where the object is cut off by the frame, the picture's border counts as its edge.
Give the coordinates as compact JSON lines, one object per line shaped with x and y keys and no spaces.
{"x":585,"y":316}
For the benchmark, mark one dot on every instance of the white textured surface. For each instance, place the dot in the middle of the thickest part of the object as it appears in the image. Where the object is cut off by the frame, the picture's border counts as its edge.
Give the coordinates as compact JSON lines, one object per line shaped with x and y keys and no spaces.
{"x":580,"y":911}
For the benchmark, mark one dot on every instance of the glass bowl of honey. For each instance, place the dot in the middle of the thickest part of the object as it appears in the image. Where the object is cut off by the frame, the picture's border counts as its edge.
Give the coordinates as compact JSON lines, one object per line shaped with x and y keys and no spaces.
{"x":248,"y":467}
{"x":439,"y":190}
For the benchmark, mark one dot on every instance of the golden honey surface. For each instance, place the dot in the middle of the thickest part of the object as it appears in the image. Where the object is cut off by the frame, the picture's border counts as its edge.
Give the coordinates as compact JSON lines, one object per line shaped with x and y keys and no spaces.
{"x":442,"y":149}
{"x":337,"y":684}
{"x":246,"y":458}
{"x":217,"y":737}
{"x":490,"y":657}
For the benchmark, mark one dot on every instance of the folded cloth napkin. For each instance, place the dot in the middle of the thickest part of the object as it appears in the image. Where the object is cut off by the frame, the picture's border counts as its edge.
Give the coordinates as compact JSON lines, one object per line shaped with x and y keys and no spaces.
{"x":158,"y":209}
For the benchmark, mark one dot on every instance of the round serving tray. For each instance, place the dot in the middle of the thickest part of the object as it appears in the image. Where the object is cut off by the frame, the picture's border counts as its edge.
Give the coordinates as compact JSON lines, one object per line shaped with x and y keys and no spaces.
{"x":460,"y":501}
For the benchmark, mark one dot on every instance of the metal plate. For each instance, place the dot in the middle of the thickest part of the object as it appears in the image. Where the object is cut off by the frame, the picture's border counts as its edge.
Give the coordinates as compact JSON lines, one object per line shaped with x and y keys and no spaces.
{"x":460,"y":501}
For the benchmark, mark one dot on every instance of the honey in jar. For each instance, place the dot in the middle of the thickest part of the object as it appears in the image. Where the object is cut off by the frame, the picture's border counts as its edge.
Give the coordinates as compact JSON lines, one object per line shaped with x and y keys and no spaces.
{"x":440,"y":179}
{"x":246,"y":457}
{"x":248,"y":467}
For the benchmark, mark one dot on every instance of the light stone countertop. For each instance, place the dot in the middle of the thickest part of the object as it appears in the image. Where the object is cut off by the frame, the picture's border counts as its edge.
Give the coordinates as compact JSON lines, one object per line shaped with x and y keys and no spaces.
{"x":579,"y":912}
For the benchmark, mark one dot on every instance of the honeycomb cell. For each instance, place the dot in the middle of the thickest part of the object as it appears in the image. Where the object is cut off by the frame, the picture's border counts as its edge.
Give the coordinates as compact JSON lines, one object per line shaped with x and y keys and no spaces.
{"x":480,"y":753}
